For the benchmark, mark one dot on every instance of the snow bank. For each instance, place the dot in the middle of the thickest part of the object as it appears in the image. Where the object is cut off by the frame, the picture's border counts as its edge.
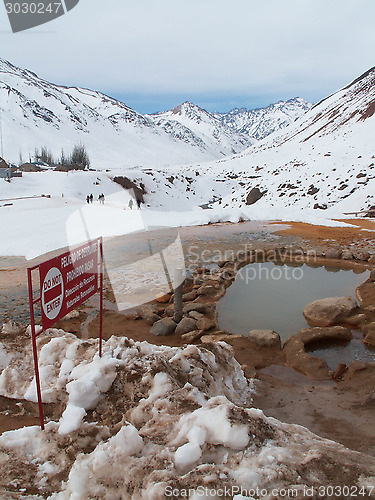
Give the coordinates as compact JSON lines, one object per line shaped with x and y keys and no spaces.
{"x":40,"y":225}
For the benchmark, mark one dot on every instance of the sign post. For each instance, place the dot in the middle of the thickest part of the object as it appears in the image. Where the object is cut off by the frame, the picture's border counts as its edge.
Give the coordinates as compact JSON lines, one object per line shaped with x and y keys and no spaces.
{"x":66,"y":281}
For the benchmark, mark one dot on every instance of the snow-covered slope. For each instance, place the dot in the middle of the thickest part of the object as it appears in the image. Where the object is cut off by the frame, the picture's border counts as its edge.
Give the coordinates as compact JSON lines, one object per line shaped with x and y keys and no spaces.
{"x":261,"y":122}
{"x":213,"y":132}
{"x":37,"y":113}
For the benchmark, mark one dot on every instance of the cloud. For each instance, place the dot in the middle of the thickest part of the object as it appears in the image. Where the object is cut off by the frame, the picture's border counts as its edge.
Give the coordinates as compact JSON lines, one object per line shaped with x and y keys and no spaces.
{"x":188,"y":47}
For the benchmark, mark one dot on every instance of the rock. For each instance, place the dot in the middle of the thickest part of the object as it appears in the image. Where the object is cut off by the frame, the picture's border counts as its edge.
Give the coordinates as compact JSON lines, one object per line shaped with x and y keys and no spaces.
{"x":356,"y":320}
{"x":150,"y":317}
{"x":195,"y":315}
{"x":169,"y":311}
{"x":333,"y":253}
{"x":372,"y":275}
{"x":192,"y":336}
{"x":187,"y":297}
{"x":254,"y":195}
{"x":340,"y":370}
{"x":194,"y":306}
{"x":205,"y":324}
{"x":165,"y":326}
{"x":364,"y":256}
{"x":206,"y":290}
{"x":202,"y":270}
{"x":186,"y":325}
{"x":293,"y":251}
{"x":163,"y":298}
{"x":372,"y":259}
{"x":148,"y":313}
{"x":12,"y":327}
{"x":265,"y":338}
{"x":370,"y":338}
{"x":329,"y":311}
{"x":308,"y":335}
{"x":366,"y":295}
{"x":347,"y":255}
{"x":300,"y":360}
{"x":219,"y":338}
{"x":249,"y":371}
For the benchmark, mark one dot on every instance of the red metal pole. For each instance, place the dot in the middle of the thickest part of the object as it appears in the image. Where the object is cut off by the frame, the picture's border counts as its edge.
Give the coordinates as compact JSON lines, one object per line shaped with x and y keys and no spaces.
{"x":35,"y":351}
{"x":101,"y":299}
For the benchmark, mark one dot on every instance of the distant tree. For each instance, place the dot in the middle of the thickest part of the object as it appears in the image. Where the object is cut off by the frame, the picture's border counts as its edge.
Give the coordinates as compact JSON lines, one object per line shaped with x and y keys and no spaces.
{"x":45,"y":156}
{"x":80,"y":156}
{"x":63,"y":160}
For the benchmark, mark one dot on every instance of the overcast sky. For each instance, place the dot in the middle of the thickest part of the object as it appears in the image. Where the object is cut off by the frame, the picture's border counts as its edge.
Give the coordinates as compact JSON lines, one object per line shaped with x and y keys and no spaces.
{"x":154,"y":54}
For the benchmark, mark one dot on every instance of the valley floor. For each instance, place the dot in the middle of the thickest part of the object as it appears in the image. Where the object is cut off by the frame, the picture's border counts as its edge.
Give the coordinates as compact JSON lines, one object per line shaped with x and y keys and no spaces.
{"x":338,"y":410}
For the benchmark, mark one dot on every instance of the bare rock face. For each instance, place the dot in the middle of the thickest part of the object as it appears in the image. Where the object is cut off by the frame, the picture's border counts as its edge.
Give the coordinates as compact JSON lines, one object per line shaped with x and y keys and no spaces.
{"x":265,"y":338}
{"x":163,"y":327}
{"x":329,"y":311}
{"x":186,"y":325}
{"x":254,"y":195}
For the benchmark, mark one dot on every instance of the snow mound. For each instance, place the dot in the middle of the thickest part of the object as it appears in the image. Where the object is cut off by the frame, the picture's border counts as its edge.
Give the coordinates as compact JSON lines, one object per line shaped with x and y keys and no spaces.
{"x":148,"y":422}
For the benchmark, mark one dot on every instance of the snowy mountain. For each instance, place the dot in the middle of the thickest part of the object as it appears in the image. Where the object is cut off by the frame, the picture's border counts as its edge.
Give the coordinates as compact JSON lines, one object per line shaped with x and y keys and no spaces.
{"x":322,"y":165}
{"x":261,"y":122}
{"x":37,"y":113}
{"x":323,"y":162}
{"x":213,"y":132}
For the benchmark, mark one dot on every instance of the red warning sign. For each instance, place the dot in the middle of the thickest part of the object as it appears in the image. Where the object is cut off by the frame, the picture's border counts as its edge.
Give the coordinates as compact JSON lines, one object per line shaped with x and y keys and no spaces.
{"x":67,"y":281}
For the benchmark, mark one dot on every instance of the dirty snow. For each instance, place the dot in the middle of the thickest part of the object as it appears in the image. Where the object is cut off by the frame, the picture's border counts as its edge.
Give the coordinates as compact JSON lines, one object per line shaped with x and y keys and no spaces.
{"x":145,"y":420}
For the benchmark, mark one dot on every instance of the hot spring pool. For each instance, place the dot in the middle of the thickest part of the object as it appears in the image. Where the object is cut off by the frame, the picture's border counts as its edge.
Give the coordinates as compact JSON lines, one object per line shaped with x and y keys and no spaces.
{"x":272,"y":296}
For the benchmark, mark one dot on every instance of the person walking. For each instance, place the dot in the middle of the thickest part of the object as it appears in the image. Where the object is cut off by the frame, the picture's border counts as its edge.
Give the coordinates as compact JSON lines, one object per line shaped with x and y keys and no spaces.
{"x":91,"y":197}
{"x":139,"y":203}
{"x":88,"y":199}
{"x":131,"y":204}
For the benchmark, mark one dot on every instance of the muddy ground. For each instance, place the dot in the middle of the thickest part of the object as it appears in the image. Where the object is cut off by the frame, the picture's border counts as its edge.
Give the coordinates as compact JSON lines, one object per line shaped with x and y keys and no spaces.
{"x":341,"y":410}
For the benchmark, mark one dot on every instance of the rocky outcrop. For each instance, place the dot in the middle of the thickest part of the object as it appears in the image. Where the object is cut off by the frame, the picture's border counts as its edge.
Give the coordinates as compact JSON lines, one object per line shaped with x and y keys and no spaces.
{"x":329,"y":311}
{"x":254,"y":196}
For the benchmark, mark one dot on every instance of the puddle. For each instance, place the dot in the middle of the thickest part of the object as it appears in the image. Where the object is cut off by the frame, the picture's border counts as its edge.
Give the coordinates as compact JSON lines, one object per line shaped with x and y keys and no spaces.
{"x":272,"y":296}
{"x":335,"y":352}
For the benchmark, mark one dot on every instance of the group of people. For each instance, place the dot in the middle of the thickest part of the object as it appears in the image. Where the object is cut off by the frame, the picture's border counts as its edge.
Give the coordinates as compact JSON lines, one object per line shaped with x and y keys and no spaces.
{"x":90,"y":198}
{"x":101,"y":199}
